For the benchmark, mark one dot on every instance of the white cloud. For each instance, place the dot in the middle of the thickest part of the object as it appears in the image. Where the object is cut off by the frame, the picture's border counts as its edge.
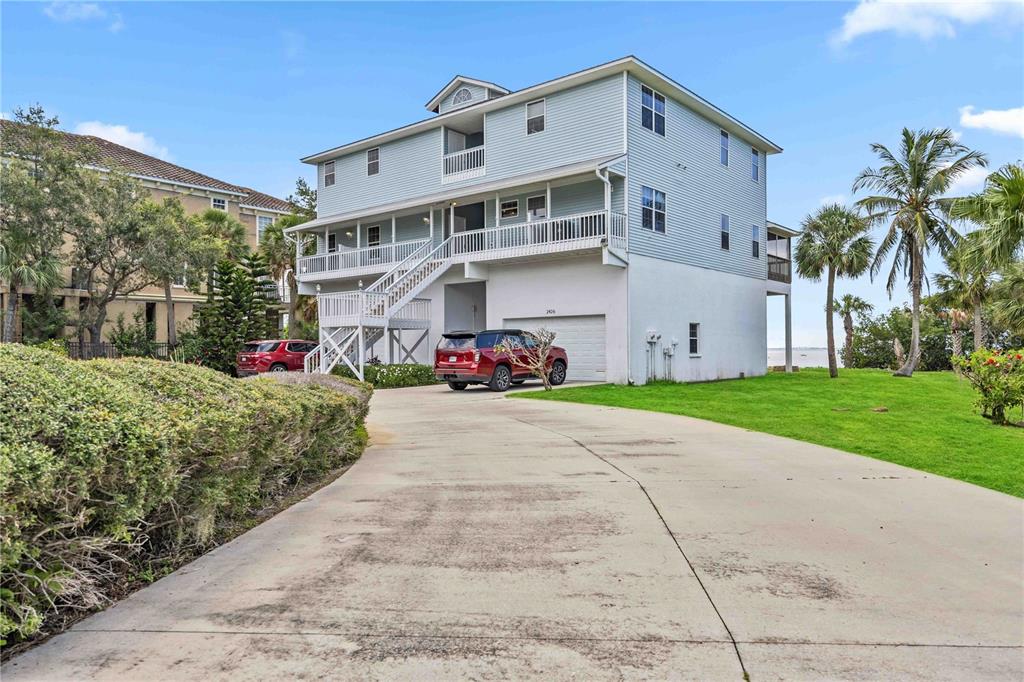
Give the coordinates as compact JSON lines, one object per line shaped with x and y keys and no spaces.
{"x":120,"y":134}
{"x":66,"y":12}
{"x":840,"y":199}
{"x":1006,"y":121}
{"x":969,"y":182}
{"x":924,"y":19}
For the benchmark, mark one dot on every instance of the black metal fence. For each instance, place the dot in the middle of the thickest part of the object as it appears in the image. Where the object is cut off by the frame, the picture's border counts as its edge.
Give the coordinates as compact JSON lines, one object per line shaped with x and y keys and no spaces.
{"x":90,"y":351}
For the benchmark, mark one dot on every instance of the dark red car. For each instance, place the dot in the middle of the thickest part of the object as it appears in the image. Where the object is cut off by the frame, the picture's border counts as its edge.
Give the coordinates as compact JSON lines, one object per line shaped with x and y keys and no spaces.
{"x":274,"y":355}
{"x":464,"y":358}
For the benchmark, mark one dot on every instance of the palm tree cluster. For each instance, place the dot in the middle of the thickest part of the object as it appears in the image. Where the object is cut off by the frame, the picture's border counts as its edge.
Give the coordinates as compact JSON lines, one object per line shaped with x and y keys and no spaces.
{"x":907,"y":196}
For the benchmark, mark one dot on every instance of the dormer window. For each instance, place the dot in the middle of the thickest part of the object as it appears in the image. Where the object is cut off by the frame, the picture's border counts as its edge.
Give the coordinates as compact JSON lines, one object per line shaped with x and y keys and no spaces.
{"x":462,"y":95}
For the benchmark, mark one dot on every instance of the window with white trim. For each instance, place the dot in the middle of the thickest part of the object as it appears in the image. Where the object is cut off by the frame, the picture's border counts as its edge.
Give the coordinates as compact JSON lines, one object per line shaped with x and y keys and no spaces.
{"x":328,"y":174}
{"x":373,"y":161}
{"x":262,"y":223}
{"x":510,"y":209}
{"x":181,"y":281}
{"x":652,"y":110}
{"x":218,"y":203}
{"x":653,"y":209}
{"x":535,"y":116}
{"x":725,"y":149}
{"x":755,"y":236}
{"x":537,"y":207}
{"x":373,"y":235}
{"x":694,"y":339}
{"x":462,"y":95}
{"x":725,"y":231}
{"x":755,"y":164}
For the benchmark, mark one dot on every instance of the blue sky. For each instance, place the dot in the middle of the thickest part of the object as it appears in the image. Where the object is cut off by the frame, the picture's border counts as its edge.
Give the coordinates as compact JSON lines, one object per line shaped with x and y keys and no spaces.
{"x":241,"y":90}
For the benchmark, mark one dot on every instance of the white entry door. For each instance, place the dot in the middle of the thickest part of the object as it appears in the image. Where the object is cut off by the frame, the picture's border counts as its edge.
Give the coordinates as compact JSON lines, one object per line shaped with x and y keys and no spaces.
{"x":582,"y":337}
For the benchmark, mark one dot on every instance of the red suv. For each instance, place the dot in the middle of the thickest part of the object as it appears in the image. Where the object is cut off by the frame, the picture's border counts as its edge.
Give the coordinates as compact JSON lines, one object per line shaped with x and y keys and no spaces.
{"x":281,"y":355}
{"x":464,"y":358}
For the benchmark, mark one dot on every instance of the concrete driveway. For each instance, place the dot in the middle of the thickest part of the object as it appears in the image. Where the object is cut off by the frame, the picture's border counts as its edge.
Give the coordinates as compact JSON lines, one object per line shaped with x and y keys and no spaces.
{"x":488,"y":538}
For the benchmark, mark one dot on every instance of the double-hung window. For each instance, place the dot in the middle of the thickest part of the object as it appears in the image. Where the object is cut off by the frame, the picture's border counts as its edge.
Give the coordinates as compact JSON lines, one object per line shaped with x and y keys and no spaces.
{"x":373,"y":161}
{"x":373,"y":235}
{"x":755,"y":165}
{"x":510,"y":209}
{"x":262,"y":223}
{"x":535,"y":116}
{"x":328,"y":174}
{"x":725,"y":232}
{"x":219,"y":204}
{"x":653,"y":209}
{"x":694,"y":338}
{"x":652,"y":110}
{"x":756,"y":241}
{"x":536,"y":208}
{"x":724,"y":153}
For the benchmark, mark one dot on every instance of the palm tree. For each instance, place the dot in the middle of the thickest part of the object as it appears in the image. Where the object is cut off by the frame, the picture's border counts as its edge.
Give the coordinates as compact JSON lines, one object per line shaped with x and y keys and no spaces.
{"x":226,"y":234}
{"x":1008,"y":297}
{"x":848,"y":306}
{"x":909,"y":189}
{"x":834,"y":242}
{"x":22,"y":265}
{"x":280,"y":257}
{"x":968,"y":284}
{"x":1000,"y":209}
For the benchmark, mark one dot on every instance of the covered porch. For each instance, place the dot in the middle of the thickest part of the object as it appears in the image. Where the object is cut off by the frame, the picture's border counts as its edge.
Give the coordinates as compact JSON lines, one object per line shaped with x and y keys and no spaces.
{"x":779,"y":281}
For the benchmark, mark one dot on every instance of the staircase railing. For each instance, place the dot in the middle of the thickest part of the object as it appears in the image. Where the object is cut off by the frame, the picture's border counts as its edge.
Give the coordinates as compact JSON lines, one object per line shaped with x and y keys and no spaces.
{"x":388,"y":278}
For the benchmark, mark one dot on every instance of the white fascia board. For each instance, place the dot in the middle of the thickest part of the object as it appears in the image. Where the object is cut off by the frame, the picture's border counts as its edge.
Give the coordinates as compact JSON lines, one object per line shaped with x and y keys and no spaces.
{"x":262,"y":208}
{"x":782,"y":229}
{"x":630,"y":64}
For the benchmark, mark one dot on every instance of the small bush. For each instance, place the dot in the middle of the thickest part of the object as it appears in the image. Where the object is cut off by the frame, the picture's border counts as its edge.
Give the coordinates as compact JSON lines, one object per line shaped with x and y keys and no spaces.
{"x":998,"y":376}
{"x":392,"y":376}
{"x":114,"y":469}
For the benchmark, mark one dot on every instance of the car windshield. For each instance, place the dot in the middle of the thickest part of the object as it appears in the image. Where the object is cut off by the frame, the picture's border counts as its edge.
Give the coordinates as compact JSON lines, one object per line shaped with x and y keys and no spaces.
{"x":265,"y":347}
{"x":456,"y":343}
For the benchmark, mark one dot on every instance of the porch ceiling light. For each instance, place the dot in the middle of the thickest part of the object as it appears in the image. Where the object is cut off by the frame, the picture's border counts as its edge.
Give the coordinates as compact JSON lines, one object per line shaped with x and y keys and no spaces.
{"x":348,"y":233}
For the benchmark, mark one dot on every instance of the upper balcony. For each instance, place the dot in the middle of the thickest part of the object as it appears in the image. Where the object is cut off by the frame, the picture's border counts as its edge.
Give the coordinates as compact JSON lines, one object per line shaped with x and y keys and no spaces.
{"x":355,"y":262}
{"x":778,"y":251}
{"x":463,"y":153}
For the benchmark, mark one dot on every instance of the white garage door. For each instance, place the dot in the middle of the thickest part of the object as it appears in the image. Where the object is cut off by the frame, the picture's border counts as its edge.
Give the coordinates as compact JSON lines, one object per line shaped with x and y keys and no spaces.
{"x":582,"y":337}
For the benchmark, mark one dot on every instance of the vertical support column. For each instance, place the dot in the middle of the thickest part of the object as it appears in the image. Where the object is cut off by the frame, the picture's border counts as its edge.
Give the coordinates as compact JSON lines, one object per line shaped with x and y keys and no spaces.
{"x":451,"y":220}
{"x":547,"y":201}
{"x":392,"y":228}
{"x":298,"y":249}
{"x":387,"y":339}
{"x":362,"y":353}
{"x":497,"y":209}
{"x":789,"y":334}
{"x":431,"y":225}
{"x":359,"y":234}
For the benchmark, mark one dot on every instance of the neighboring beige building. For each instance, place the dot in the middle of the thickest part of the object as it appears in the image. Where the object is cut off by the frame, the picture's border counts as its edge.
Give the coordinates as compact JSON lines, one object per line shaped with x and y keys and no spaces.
{"x":197,"y":193}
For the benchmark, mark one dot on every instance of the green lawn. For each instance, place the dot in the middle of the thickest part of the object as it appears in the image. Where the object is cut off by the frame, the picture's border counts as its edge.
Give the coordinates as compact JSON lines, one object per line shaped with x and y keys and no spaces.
{"x":931,"y":423}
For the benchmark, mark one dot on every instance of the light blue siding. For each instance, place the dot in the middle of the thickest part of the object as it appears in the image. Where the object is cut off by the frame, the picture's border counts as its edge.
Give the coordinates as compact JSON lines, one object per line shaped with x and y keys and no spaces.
{"x":584,"y":122}
{"x":582,"y":197}
{"x":685,"y":165}
{"x":479,"y":95}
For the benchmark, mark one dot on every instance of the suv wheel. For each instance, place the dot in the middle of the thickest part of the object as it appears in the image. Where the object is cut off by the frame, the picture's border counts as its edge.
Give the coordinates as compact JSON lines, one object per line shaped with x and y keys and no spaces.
{"x":557,"y":376}
{"x":278,"y":367}
{"x":501,"y":379}
{"x":457,"y":385}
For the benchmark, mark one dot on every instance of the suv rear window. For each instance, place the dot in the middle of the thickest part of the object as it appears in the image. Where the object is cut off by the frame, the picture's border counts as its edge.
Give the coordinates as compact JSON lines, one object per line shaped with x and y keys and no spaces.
{"x":266,"y":347}
{"x":492,"y":339}
{"x":457,"y":343}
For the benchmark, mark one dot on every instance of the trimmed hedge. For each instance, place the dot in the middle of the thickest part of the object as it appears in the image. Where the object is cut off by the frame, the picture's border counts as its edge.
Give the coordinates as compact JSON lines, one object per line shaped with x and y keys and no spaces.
{"x":392,"y":376}
{"x":114,"y":472}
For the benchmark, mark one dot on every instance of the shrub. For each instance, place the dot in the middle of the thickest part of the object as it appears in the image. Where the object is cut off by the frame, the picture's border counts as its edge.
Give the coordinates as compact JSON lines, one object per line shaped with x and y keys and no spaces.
{"x":137,"y":339}
{"x":392,"y":376}
{"x":998,"y":376}
{"x":112,"y":469}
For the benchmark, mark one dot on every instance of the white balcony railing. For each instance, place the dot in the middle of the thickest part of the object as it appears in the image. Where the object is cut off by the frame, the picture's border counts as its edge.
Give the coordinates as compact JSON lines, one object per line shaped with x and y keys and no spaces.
{"x":350,"y":308}
{"x":582,"y":230}
{"x":367,"y":258}
{"x":469,"y":163}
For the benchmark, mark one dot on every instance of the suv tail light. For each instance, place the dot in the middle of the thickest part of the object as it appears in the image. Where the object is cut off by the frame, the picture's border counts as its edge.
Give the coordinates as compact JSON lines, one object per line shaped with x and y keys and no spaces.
{"x":476,"y":356}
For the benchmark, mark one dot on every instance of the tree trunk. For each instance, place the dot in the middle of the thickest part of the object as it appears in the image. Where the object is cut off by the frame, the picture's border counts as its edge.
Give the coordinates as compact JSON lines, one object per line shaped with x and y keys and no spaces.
{"x":833,"y":370}
{"x":10,"y":313}
{"x":915,"y":316}
{"x":172,"y":332}
{"x":958,"y":344}
{"x":848,"y":346}
{"x":979,"y":326}
{"x":293,"y":302}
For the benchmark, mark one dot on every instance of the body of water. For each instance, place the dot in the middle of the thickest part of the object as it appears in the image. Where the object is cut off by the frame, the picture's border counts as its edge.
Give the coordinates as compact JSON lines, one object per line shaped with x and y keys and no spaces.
{"x":802,"y":357}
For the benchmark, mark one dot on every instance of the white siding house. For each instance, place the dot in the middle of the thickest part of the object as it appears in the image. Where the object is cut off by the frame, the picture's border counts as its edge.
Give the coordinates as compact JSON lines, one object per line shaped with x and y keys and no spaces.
{"x":611,"y":205}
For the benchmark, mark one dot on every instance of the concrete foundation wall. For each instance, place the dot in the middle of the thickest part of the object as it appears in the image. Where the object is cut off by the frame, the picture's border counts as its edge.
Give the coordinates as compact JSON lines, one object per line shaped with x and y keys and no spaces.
{"x":731,"y":309}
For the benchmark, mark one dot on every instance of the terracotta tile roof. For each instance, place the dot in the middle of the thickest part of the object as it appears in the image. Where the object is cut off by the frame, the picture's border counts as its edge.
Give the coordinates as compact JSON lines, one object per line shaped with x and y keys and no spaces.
{"x":261,"y":200}
{"x":111,"y":155}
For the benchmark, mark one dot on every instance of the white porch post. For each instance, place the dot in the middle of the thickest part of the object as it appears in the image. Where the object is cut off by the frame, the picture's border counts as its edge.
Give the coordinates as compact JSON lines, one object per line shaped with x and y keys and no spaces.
{"x":497,"y":209}
{"x":392,"y":228}
{"x":789,"y":334}
{"x":547,"y":201}
{"x":298,"y":248}
{"x":327,"y":234}
{"x":359,"y":236}
{"x":451,"y":220}
{"x":431,"y":224}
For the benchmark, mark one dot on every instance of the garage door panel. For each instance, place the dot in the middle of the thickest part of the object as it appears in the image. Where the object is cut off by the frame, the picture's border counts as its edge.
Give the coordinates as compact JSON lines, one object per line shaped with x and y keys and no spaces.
{"x":582,"y":336}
